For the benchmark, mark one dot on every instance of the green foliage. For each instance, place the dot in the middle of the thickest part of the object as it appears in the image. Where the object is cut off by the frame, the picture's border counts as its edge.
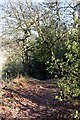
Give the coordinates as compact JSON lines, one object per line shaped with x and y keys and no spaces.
{"x":12,"y":68}
{"x":71,"y":69}
{"x":38,"y":70}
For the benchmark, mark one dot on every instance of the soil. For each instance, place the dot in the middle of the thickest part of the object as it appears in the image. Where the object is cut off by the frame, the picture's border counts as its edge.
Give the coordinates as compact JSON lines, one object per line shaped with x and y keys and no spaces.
{"x":30,"y":99}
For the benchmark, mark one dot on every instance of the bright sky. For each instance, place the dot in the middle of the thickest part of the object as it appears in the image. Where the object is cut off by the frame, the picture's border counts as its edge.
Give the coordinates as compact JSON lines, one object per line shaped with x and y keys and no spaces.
{"x":38,"y":0}
{"x":1,"y":1}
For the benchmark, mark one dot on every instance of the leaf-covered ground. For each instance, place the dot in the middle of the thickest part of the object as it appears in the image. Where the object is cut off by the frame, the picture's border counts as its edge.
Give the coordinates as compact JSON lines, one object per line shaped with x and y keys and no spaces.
{"x":32,"y":100}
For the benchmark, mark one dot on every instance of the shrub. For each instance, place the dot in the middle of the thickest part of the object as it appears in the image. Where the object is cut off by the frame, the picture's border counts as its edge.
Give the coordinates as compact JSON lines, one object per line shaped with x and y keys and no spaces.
{"x":12,"y":68}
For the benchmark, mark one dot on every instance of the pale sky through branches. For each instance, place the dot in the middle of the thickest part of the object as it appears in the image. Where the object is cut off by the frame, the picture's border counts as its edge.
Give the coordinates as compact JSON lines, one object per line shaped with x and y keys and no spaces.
{"x":1,"y":1}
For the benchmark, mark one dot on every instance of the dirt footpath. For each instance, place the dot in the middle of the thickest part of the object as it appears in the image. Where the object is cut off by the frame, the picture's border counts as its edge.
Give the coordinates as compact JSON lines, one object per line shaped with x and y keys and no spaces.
{"x":32,"y":100}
